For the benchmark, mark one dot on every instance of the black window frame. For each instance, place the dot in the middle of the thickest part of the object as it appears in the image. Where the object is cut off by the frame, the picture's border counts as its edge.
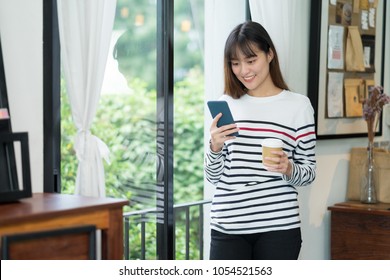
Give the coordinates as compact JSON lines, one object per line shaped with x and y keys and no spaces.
{"x":51,"y":99}
{"x":52,"y":112}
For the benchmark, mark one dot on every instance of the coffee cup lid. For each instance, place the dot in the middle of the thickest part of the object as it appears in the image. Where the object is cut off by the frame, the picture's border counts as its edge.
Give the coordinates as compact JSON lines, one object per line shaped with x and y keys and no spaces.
{"x":272,"y":142}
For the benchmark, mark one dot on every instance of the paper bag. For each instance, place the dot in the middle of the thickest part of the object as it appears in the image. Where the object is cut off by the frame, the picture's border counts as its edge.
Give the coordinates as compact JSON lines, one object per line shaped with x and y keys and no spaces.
{"x":353,"y":91}
{"x":357,"y":165}
{"x":354,"y":56}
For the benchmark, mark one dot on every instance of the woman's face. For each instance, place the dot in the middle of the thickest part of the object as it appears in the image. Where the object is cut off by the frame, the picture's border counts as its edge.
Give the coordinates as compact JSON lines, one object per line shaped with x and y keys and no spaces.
{"x":252,"y":72}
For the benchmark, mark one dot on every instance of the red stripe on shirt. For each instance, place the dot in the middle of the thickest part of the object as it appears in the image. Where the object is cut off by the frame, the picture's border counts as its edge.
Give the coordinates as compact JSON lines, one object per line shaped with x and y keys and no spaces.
{"x":306,"y":134}
{"x":276,"y":131}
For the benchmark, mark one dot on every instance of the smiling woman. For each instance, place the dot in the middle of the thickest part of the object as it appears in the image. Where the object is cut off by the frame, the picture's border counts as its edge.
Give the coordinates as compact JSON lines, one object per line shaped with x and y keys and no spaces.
{"x":255,"y":209}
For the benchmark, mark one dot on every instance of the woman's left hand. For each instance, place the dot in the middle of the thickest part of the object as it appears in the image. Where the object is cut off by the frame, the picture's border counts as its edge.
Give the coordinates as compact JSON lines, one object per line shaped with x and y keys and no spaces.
{"x":281,"y":163}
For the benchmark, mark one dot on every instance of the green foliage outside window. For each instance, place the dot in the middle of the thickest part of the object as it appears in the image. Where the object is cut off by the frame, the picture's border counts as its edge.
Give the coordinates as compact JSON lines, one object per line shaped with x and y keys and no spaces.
{"x":126,"y":123}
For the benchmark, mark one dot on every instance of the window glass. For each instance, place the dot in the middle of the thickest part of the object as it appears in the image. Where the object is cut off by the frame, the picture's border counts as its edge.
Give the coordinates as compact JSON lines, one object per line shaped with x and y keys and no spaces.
{"x":126,"y":116}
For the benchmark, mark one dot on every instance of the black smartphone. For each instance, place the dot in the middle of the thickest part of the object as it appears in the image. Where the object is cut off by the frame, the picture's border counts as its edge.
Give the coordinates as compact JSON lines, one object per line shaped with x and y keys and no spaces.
{"x":221,"y":106}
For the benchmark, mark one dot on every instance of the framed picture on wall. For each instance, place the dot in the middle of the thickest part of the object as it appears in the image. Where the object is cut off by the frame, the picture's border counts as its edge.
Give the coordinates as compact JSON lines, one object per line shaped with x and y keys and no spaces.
{"x":15,"y":177}
{"x":5,"y":122}
{"x":347,"y":43}
{"x":15,"y":181}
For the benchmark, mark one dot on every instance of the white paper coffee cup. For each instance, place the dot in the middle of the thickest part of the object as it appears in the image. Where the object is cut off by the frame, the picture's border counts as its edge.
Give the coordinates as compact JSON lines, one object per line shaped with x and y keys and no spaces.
{"x":269,"y":145}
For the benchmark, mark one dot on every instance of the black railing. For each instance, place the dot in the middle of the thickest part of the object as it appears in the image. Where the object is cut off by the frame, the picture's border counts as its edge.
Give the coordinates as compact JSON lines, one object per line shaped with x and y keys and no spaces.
{"x":191,"y":214}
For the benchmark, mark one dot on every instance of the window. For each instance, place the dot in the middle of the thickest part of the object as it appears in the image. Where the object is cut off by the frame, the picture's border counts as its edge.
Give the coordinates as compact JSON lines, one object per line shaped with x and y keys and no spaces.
{"x":128,"y":116}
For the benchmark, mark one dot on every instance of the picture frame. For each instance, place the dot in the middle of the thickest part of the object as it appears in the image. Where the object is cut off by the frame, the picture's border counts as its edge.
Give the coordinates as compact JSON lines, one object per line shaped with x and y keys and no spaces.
{"x":15,"y":176}
{"x":341,"y":125}
{"x":5,"y":122}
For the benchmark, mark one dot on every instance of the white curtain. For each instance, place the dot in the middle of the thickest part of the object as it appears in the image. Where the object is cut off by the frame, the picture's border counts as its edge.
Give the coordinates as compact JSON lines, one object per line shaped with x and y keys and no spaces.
{"x":286,"y":23}
{"x":85,"y":28}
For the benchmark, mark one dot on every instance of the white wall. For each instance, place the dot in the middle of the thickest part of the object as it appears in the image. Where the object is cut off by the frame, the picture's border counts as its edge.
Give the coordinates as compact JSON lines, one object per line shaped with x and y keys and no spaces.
{"x":21,"y":37}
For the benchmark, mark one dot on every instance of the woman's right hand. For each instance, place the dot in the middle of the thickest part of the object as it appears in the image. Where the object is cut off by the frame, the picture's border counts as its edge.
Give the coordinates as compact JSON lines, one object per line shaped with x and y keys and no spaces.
{"x":221,"y":134}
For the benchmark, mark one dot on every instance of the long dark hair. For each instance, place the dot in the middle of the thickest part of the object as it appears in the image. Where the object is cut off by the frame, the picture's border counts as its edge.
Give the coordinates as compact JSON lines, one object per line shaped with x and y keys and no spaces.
{"x":243,"y":37}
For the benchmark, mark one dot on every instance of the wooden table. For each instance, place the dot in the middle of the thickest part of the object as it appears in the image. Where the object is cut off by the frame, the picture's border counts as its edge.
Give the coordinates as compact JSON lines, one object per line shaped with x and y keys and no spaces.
{"x":360,"y":231}
{"x":50,"y":211}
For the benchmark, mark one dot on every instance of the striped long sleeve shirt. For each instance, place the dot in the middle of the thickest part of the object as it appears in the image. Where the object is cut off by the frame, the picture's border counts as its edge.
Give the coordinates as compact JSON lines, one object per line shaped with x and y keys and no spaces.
{"x":248,"y":198}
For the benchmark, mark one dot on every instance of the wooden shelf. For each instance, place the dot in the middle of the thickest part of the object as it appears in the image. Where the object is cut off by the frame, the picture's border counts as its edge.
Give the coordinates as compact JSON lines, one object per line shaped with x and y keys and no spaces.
{"x":49,"y":211}
{"x":360,"y":231}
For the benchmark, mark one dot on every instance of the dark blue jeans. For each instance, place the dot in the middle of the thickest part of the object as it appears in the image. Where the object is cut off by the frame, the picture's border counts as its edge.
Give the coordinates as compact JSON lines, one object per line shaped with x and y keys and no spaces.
{"x":273,"y":245}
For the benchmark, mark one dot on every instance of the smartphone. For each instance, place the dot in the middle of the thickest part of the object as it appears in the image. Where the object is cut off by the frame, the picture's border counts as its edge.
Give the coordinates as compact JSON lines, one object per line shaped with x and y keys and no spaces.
{"x":221,"y":106}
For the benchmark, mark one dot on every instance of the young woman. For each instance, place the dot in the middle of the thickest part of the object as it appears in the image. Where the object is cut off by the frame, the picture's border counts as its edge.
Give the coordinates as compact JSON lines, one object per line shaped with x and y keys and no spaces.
{"x":255,"y":211}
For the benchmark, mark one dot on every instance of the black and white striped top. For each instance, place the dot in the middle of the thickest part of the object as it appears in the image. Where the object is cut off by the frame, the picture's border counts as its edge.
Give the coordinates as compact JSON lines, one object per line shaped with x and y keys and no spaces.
{"x":248,"y":198}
